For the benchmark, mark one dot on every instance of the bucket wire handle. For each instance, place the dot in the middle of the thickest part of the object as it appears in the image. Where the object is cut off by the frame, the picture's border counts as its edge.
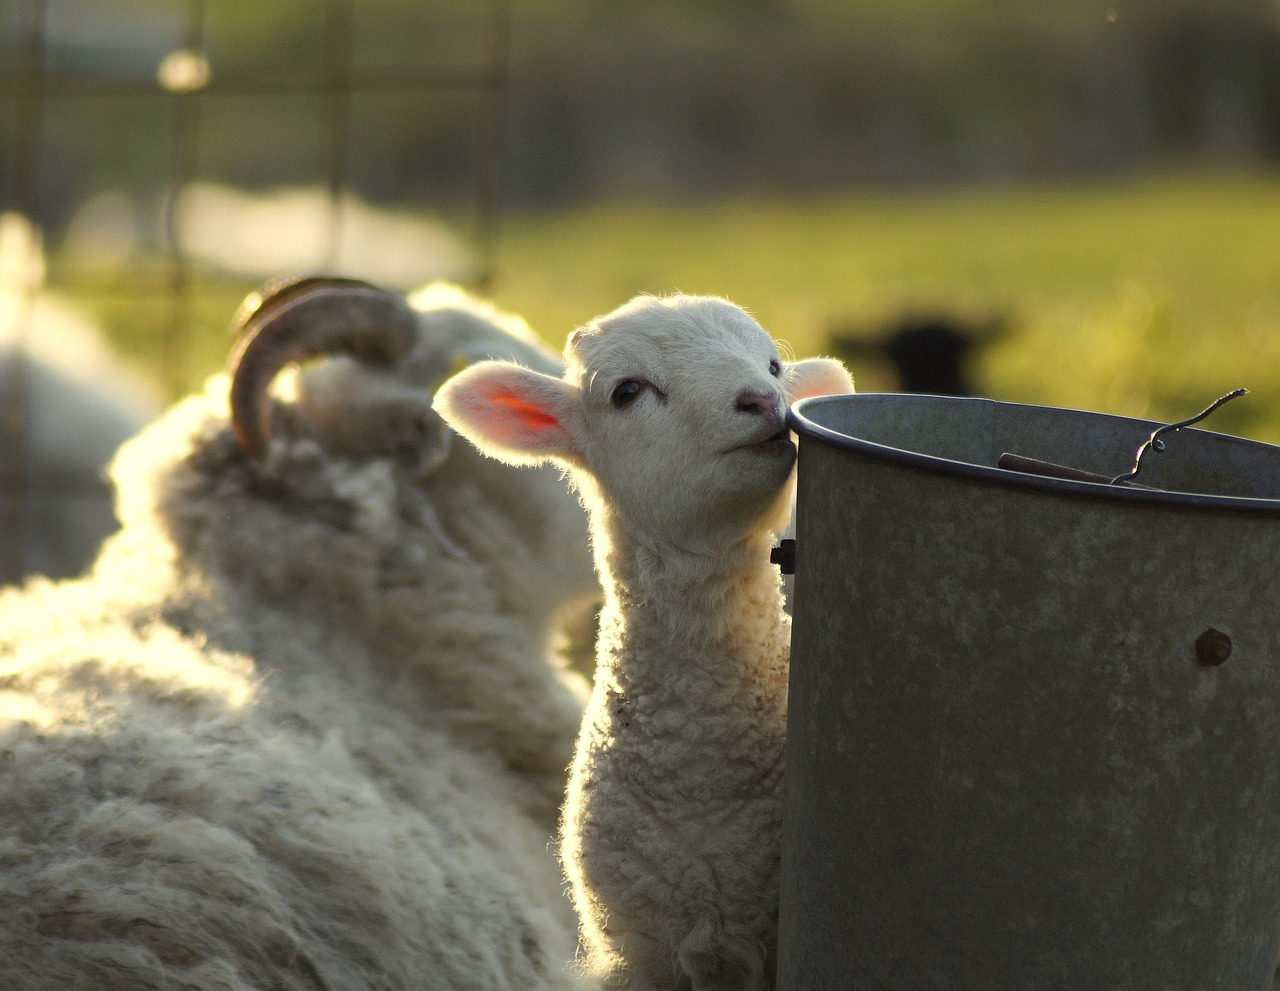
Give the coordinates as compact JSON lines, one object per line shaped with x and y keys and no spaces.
{"x":1034,"y":466}
{"x":1154,"y":443}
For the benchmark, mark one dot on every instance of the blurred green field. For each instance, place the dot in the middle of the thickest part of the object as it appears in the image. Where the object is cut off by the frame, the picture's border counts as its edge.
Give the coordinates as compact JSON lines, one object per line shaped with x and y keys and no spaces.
{"x":1148,"y":298}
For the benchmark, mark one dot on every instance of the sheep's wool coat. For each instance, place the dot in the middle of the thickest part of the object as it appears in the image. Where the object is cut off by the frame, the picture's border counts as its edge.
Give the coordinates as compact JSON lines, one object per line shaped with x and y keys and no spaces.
{"x":296,"y":731}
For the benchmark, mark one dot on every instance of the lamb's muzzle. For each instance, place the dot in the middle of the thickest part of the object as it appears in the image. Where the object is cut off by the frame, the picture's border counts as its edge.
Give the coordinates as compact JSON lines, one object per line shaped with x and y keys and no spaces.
{"x":303,"y":318}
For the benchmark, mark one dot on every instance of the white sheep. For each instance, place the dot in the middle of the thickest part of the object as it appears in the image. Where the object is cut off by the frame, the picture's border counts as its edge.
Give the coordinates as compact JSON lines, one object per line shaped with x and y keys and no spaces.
{"x":66,"y":404}
{"x":670,"y":419}
{"x":298,"y":730}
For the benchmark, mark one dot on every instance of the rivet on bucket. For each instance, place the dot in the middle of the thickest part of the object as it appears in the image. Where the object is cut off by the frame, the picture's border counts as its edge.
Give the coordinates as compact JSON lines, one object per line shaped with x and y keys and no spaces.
{"x":784,"y":556}
{"x":1213,"y":647}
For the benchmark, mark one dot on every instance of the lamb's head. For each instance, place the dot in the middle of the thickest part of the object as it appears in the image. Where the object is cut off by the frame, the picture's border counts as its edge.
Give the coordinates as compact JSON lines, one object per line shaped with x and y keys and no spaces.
{"x":671,"y":408}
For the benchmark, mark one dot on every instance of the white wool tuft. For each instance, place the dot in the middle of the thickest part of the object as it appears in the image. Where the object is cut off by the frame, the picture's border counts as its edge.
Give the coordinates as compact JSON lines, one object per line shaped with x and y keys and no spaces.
{"x":68,"y":401}
{"x":298,"y":729}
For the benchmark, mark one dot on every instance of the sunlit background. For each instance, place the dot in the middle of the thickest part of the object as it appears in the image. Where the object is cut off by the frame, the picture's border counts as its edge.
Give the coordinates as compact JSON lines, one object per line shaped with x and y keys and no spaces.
{"x":1083,"y":193}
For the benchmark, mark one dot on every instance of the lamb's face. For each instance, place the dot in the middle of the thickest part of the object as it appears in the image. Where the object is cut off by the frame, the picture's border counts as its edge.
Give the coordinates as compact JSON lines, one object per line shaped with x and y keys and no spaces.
{"x":684,"y":428}
{"x":670,"y":410}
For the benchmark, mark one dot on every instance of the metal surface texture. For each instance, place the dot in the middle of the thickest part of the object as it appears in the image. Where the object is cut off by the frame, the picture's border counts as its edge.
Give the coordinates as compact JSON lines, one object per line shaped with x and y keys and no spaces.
{"x":1034,"y":722}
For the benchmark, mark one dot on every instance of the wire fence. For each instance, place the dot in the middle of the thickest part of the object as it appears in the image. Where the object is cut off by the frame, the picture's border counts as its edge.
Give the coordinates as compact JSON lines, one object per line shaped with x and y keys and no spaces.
{"x":162,"y":290}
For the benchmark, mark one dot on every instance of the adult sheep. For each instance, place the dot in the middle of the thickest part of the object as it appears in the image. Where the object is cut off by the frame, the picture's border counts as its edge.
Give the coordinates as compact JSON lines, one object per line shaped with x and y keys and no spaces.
{"x":297,"y":729}
{"x":67,"y":402}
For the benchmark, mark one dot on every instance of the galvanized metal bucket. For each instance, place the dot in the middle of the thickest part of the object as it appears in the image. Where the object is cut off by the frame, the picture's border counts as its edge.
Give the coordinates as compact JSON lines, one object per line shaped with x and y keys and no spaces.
{"x":1034,"y":735}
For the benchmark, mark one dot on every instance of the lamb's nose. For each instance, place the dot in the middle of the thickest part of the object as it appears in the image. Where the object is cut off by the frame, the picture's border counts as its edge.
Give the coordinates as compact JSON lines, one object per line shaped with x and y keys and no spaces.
{"x":760,"y":402}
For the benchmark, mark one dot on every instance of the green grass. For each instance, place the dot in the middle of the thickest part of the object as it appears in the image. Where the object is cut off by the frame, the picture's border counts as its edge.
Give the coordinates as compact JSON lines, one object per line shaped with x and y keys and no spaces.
{"x":1147,"y":298}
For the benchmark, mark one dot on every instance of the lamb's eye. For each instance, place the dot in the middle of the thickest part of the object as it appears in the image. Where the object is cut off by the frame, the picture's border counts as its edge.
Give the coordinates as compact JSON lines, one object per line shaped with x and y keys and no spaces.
{"x":625,"y":392}
{"x":775,"y":368}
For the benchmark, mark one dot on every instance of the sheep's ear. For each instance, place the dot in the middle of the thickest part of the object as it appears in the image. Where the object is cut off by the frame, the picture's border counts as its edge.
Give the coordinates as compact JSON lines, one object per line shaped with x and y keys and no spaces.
{"x":816,"y":377}
{"x":511,"y":413}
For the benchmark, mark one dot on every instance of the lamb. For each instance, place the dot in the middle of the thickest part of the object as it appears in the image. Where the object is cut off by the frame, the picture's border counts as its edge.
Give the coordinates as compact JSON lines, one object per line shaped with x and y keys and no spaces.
{"x":670,"y":419}
{"x":298,"y":729}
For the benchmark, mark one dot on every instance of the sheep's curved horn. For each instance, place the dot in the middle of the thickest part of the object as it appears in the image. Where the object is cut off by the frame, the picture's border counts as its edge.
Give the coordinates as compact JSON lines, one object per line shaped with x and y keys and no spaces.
{"x":304,"y":318}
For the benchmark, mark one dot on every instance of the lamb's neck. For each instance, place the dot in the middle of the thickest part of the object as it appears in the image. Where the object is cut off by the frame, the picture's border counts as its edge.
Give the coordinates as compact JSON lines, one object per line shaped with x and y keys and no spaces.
{"x":675,"y":604}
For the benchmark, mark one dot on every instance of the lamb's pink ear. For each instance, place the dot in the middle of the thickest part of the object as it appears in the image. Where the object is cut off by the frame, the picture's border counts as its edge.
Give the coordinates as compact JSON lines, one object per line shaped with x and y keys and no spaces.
{"x":816,"y":377}
{"x":511,"y":413}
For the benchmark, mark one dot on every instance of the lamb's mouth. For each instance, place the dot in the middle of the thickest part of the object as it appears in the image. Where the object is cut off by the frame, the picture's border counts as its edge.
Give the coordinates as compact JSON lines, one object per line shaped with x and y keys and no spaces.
{"x":775,"y":441}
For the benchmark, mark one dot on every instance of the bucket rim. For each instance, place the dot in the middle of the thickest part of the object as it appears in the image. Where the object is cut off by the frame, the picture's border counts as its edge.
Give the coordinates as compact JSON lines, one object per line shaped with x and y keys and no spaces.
{"x":800,"y":420}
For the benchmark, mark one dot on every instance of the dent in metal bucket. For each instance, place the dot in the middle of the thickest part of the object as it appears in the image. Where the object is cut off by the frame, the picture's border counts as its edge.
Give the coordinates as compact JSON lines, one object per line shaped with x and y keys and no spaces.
{"x":1034,"y":723}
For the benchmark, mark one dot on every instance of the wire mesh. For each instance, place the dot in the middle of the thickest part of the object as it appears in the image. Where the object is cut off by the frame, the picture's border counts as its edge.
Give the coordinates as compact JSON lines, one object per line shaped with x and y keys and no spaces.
{"x":166,"y":290}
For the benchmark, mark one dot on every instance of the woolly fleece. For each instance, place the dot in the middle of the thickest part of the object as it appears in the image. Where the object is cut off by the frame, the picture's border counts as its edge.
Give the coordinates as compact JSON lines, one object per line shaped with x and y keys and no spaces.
{"x":298,"y":729}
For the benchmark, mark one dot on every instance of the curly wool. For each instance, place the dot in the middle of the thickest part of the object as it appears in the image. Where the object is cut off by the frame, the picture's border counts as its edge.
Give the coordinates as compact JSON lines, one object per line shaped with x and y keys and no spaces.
{"x":296,"y":730}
